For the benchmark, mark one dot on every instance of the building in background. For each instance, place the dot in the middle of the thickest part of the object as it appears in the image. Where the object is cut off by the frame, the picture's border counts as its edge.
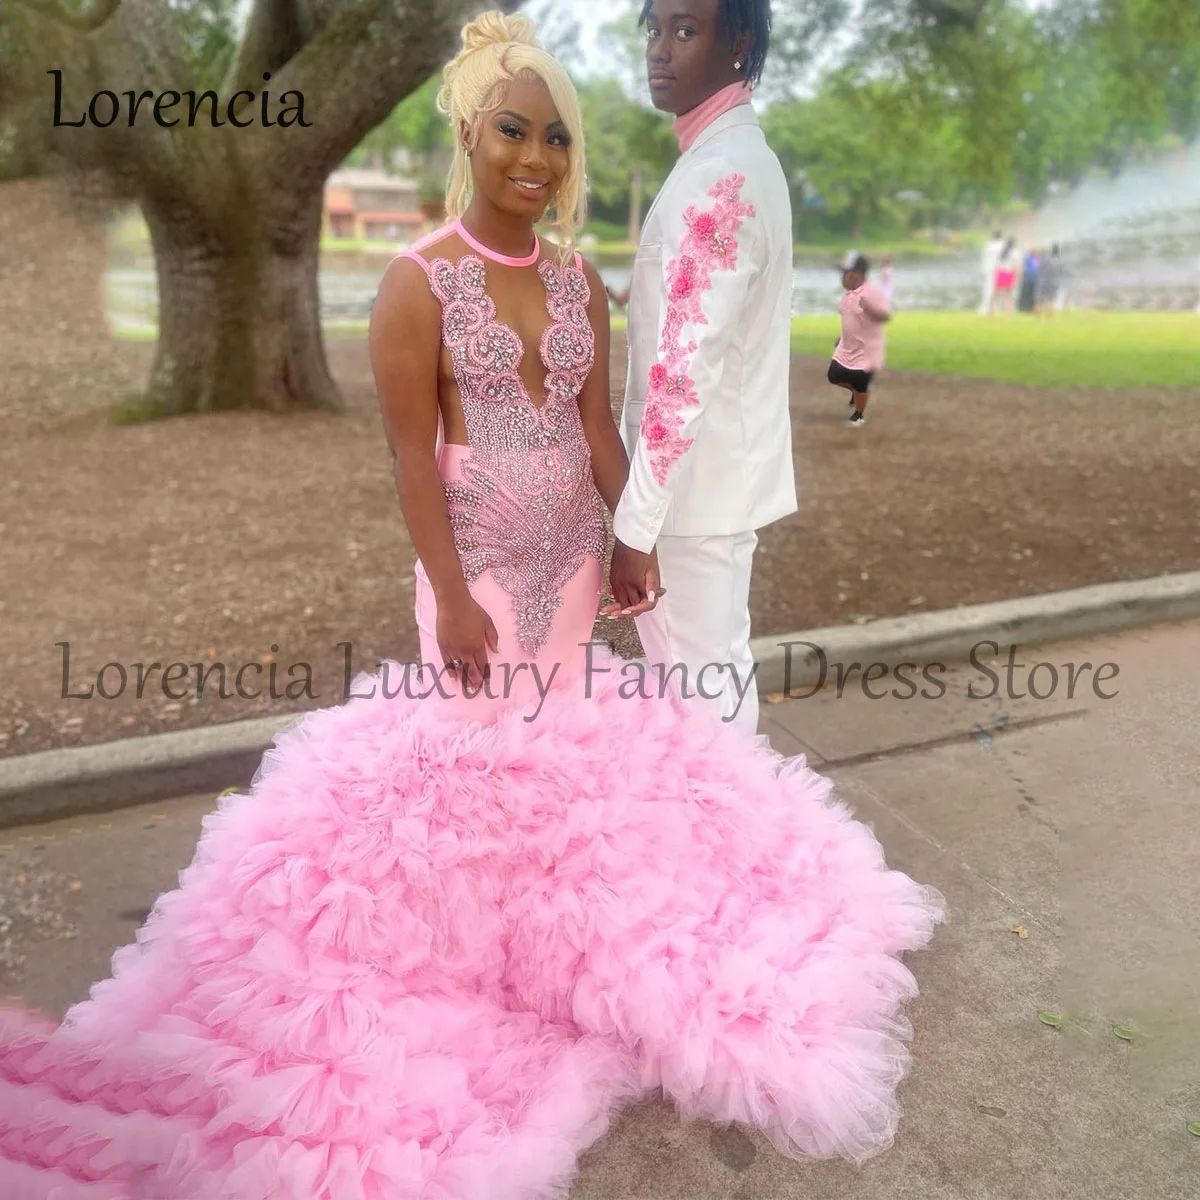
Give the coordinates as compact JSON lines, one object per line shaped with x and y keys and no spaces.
{"x":369,"y":204}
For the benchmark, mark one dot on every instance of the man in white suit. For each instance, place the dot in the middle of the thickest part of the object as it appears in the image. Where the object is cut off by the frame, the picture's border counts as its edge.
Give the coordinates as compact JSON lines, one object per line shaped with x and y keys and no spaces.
{"x":706,"y":419}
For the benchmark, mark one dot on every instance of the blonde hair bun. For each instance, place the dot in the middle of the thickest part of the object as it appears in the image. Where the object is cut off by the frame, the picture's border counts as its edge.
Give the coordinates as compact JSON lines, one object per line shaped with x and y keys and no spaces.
{"x":496,"y":29}
{"x":496,"y":50}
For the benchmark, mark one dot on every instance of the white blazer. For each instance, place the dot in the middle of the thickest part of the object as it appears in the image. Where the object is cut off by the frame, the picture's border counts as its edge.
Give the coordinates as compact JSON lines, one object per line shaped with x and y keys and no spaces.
{"x":706,"y":419}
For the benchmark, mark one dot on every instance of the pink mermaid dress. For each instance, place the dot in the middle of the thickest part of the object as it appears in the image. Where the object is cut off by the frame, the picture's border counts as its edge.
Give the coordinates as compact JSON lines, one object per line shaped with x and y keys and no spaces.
{"x":439,"y":943}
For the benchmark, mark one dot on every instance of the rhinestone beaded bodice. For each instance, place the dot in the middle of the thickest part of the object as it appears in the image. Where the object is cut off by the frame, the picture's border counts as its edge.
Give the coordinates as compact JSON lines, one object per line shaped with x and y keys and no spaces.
{"x":526,"y":508}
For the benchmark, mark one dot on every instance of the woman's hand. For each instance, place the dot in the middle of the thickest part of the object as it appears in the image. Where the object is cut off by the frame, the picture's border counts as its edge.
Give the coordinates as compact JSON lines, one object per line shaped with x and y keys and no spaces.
{"x":465,"y":634}
{"x":634,"y":582}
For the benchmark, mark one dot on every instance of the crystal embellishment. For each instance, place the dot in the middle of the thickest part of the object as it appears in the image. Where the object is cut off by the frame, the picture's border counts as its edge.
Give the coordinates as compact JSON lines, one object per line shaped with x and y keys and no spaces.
{"x":526,"y":508}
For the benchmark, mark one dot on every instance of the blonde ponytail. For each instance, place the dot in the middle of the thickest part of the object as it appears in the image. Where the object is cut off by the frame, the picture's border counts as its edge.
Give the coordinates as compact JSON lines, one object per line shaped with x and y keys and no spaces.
{"x":497,"y":49}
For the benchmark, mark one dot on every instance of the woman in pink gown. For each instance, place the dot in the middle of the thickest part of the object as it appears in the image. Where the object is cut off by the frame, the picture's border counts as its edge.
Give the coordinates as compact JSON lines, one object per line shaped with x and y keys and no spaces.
{"x":443,"y":939}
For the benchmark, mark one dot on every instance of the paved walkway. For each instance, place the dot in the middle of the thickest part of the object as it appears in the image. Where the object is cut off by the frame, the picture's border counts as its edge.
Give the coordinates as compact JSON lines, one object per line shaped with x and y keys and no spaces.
{"x":1075,"y":820}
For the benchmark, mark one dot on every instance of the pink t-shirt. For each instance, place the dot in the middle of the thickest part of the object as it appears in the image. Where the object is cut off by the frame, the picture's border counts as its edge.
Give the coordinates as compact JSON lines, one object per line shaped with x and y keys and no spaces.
{"x":863,"y":313}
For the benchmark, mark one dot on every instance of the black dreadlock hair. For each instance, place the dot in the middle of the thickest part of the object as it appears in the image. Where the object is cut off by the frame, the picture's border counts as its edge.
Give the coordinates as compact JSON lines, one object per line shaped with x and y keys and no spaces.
{"x":740,"y":16}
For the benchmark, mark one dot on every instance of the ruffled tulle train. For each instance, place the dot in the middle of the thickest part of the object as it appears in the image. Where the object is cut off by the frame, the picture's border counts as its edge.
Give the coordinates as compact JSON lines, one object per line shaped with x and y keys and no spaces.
{"x":429,"y":959}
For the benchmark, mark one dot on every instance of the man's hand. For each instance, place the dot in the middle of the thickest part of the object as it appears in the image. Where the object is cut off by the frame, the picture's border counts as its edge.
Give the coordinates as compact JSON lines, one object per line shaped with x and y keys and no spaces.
{"x":634,"y":582}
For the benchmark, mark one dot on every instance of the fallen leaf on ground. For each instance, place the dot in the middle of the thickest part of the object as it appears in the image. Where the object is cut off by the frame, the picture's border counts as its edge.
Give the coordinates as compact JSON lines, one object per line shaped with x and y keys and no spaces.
{"x":1050,"y":1018}
{"x":76,"y":885}
{"x":775,"y":698}
{"x":1194,"y":1129}
{"x":1124,"y":1032}
{"x":1019,"y":930}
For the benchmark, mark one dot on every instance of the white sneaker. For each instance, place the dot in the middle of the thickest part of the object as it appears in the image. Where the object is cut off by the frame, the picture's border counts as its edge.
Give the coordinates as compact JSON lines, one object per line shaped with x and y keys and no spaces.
{"x":858,"y":420}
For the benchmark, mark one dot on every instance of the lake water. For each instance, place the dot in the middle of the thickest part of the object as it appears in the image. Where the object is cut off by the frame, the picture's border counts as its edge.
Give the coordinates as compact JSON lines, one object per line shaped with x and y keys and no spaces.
{"x":1130,"y":242}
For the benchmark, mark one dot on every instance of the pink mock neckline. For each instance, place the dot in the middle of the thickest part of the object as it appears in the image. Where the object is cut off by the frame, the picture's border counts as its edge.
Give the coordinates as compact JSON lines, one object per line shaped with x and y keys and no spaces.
{"x":495,"y":255}
{"x":692,"y":123}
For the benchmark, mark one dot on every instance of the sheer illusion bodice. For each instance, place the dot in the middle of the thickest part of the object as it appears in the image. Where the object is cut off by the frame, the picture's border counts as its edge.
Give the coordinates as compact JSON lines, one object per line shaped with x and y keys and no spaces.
{"x":520,"y":494}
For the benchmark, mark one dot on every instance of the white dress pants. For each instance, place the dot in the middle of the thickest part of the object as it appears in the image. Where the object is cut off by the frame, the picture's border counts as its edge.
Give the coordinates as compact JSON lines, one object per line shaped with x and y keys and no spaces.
{"x":700,"y":631}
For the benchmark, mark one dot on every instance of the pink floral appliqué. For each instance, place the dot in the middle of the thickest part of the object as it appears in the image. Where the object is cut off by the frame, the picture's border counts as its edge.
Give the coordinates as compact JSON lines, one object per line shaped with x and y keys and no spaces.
{"x":710,"y":244}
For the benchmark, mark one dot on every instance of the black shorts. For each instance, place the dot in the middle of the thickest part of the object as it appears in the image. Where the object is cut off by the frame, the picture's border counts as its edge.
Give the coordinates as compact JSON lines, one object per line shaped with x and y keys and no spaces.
{"x":860,"y":381}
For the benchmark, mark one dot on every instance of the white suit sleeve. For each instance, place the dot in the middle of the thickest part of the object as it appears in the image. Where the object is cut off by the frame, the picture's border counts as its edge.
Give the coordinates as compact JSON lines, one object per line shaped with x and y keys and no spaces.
{"x":707,"y":267}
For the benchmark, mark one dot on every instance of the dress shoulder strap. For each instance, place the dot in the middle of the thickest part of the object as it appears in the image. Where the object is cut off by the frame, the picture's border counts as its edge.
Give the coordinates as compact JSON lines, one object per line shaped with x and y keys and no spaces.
{"x":430,"y":239}
{"x":417,"y":258}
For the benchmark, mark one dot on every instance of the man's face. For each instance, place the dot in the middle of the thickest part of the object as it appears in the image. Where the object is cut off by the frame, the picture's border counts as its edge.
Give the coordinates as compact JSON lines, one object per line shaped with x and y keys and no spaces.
{"x":688,"y":57}
{"x":852,"y":280}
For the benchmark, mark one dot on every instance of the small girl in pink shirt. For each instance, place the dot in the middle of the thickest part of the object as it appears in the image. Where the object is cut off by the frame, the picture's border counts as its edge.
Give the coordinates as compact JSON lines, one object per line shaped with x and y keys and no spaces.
{"x":858,"y":353}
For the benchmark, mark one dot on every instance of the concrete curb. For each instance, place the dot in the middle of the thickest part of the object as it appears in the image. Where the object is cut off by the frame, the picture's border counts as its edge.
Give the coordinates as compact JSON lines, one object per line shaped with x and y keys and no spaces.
{"x":949,"y":635}
{"x":63,"y":783}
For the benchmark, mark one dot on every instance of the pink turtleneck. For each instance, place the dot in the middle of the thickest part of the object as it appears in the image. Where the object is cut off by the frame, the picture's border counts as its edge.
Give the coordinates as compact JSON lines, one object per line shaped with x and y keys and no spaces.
{"x":692,"y":123}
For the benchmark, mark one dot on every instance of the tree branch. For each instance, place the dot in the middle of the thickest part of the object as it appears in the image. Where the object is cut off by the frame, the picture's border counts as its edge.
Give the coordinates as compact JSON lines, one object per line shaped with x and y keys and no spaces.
{"x":952,"y":12}
{"x":92,"y":17}
{"x":369,"y":56}
{"x":272,"y":38}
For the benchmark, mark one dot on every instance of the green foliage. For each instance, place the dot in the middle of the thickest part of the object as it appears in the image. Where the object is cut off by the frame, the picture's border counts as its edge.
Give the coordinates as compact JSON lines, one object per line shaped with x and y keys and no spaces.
{"x":872,"y":153}
{"x":30,"y":42}
{"x":915,"y":114}
{"x":801,"y":32}
{"x":1151,"y":52}
{"x":415,"y":126}
{"x":209,"y":36}
{"x":622,"y":137}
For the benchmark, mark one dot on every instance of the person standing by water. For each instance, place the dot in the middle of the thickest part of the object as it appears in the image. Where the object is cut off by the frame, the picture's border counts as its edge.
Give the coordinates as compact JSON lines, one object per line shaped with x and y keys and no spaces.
{"x":1049,"y":283}
{"x":989,"y":264}
{"x":1007,"y":266}
{"x":1027,"y":296}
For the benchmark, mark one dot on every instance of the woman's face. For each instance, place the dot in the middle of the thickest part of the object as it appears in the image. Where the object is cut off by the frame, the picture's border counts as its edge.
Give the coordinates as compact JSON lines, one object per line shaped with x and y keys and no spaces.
{"x":520,"y":155}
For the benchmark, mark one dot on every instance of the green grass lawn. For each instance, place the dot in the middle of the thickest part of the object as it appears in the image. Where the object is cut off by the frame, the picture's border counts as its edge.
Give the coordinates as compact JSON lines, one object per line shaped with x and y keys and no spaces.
{"x":1074,"y":349}
{"x":1088,"y":349}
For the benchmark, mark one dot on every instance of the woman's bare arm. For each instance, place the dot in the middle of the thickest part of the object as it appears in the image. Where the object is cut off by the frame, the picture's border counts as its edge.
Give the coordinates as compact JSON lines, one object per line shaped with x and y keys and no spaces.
{"x":633,"y":575}
{"x":610,"y":463}
{"x":405,"y":345}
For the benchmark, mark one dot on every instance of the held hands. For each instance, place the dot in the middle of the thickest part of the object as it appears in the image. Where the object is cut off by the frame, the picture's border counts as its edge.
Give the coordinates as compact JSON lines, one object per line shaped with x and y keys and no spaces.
{"x":634,"y":582}
{"x":465,"y":634}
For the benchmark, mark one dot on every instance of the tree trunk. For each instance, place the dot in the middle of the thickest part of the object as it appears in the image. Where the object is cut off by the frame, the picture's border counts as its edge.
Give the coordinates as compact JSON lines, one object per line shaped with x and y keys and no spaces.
{"x":234,"y":211}
{"x":239,"y":316}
